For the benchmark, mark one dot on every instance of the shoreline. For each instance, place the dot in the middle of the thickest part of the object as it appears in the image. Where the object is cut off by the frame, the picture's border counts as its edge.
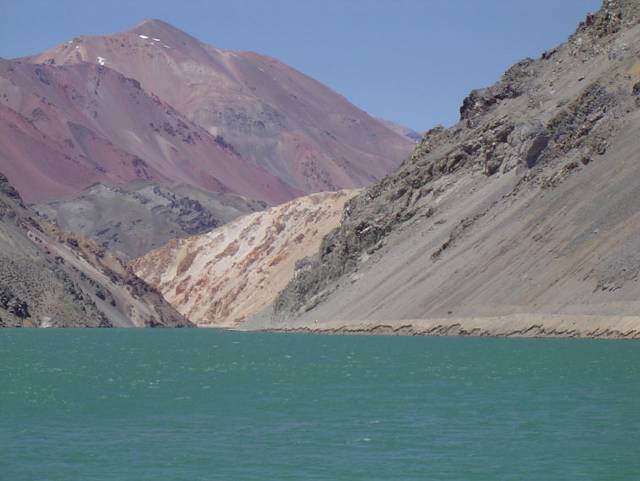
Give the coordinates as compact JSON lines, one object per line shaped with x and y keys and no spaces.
{"x":517,"y":326}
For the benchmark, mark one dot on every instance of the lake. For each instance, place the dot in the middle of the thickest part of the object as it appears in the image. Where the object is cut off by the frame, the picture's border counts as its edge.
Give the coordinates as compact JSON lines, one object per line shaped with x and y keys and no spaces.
{"x":215,"y":405}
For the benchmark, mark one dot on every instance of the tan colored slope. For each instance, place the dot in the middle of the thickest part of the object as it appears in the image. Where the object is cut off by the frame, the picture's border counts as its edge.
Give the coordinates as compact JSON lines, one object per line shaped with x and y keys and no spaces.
{"x":230,"y":273}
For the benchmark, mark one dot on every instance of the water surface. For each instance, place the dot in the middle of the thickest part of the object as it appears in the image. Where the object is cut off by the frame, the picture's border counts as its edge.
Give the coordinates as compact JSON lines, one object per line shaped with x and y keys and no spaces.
{"x":209,"y":405}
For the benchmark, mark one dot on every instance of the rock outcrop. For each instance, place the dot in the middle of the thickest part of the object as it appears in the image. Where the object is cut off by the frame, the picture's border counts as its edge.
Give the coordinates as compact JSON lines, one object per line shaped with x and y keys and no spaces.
{"x":528,"y":205}
{"x":49,"y":278}
{"x":224,"y":276}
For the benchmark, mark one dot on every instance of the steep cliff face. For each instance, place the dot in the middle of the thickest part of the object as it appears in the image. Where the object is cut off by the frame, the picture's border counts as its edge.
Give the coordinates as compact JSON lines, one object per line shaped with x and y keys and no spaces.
{"x":230,"y":273}
{"x":131,"y":220}
{"x":52,"y":279}
{"x":291,"y":125}
{"x":528,"y":205}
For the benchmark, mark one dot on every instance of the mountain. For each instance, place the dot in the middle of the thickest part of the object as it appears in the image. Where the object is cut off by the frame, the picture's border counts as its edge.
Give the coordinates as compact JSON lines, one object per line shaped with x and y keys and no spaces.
{"x":522,"y":219}
{"x":52,"y":279}
{"x":131,"y":220}
{"x":64,"y":128}
{"x":402,"y":130}
{"x":270,"y":114}
{"x":222,"y":277}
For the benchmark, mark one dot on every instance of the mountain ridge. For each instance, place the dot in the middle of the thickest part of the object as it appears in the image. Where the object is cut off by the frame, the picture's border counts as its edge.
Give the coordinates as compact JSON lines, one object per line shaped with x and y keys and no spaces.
{"x":281,"y":119}
{"x":100,"y":125}
{"x":49,"y":278}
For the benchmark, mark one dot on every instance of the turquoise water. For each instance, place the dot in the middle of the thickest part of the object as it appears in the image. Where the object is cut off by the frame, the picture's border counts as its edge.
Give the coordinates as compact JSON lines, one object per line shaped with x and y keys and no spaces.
{"x":208,"y":405}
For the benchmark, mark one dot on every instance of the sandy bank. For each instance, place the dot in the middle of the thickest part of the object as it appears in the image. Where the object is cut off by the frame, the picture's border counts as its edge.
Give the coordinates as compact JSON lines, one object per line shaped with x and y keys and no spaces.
{"x":518,"y":325}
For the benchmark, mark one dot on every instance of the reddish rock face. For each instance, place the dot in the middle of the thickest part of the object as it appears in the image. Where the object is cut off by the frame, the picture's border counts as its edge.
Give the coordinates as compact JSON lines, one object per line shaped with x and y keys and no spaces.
{"x":64,"y":128}
{"x":254,"y":106}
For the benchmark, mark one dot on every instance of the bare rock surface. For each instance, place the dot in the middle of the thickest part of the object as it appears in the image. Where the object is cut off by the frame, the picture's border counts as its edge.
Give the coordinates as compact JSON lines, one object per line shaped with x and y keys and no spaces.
{"x":131,"y":220}
{"x":64,"y":128}
{"x":529,"y":206}
{"x":220,"y":278}
{"x":268,"y":113}
{"x":49,"y":278}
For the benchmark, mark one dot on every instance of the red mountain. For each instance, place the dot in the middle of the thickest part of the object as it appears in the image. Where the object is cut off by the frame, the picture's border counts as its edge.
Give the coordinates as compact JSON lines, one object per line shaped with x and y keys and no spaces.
{"x":268,"y":113}
{"x":63,"y":128}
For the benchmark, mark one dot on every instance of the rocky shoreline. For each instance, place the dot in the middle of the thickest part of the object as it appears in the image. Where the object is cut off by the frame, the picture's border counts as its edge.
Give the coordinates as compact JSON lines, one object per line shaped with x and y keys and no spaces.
{"x":521,"y":326}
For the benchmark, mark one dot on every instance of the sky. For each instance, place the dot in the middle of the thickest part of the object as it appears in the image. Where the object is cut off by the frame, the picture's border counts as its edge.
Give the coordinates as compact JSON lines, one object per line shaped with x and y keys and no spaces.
{"x":409,"y":61}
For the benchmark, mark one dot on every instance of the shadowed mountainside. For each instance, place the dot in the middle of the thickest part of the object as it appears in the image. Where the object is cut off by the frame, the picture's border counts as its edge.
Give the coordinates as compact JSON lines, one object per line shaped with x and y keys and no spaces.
{"x":131,"y":220}
{"x":52,"y":279}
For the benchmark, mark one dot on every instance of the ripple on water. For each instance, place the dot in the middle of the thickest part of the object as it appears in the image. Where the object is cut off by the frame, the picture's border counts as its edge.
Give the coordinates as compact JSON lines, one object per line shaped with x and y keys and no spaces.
{"x":145,"y":405}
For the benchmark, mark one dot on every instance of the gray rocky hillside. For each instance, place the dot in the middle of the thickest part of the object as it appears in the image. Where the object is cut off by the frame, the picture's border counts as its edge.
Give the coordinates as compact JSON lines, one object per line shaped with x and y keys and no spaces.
{"x":133,"y":219}
{"x":49,"y":278}
{"x":531,"y":203}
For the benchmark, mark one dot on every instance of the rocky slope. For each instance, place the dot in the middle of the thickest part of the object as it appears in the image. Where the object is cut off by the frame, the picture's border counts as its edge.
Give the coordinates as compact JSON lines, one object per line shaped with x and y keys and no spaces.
{"x":131,"y":220}
{"x":52,"y":279}
{"x":63,"y":128}
{"x":528,"y":208}
{"x":293,"y":126}
{"x":220,"y":278}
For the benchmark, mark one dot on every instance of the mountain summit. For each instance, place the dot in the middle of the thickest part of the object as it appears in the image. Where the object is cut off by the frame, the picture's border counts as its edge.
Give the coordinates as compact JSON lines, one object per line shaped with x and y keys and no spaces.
{"x":255,"y":106}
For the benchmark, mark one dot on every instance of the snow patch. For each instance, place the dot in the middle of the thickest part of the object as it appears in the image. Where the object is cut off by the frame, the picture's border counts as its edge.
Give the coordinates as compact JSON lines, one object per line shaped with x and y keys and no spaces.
{"x":165,"y":46}
{"x":155,"y":39}
{"x":143,"y":37}
{"x":101,"y":60}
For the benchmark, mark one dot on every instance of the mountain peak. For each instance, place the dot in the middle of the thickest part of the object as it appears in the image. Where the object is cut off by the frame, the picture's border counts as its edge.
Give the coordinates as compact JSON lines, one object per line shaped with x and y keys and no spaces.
{"x":153,"y":23}
{"x":252,"y":107}
{"x":154,"y":27}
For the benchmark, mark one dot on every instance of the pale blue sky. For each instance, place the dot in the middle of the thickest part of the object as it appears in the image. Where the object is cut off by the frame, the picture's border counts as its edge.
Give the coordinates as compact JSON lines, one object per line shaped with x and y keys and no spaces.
{"x":411,"y":61}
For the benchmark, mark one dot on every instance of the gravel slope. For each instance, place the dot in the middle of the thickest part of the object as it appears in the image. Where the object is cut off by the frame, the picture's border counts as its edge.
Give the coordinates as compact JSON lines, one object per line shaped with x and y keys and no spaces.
{"x":529,"y":207}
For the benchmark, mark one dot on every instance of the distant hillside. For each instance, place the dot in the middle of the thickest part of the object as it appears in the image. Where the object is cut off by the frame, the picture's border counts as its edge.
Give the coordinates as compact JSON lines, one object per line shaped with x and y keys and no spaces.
{"x":64,"y":128}
{"x":402,"y":130}
{"x":267,"y":113}
{"x":131,"y":220}
{"x":52,"y":279}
